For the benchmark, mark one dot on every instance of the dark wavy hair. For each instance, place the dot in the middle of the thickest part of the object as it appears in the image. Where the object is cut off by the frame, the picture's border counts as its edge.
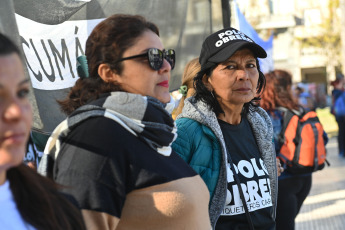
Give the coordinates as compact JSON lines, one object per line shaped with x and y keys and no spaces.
{"x":38,"y":199}
{"x":106,"y":44}
{"x":278,"y":91}
{"x":40,"y":203}
{"x":203,"y":94}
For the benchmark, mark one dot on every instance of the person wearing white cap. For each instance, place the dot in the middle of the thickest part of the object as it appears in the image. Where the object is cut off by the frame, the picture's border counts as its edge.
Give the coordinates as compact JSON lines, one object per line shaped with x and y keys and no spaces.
{"x":227,"y":138}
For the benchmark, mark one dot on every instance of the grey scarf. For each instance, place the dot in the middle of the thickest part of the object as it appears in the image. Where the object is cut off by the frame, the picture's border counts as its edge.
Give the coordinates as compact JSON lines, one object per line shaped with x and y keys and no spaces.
{"x":144,"y":117}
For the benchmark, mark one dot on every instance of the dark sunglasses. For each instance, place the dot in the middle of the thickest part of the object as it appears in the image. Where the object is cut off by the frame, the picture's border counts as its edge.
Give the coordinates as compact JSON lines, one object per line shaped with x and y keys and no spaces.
{"x":156,"y":57}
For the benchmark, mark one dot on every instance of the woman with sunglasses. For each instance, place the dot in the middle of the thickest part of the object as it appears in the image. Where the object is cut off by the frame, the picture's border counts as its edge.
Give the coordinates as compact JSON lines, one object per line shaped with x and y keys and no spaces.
{"x":27,"y":200}
{"x":226,"y":138}
{"x":113,"y":151}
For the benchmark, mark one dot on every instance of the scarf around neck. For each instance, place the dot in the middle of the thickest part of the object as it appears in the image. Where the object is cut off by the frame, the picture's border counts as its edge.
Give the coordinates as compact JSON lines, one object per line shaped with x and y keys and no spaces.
{"x":143,"y":116}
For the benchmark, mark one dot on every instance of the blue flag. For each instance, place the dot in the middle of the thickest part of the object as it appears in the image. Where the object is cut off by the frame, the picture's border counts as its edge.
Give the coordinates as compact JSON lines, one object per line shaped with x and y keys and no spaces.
{"x":266,"y":64}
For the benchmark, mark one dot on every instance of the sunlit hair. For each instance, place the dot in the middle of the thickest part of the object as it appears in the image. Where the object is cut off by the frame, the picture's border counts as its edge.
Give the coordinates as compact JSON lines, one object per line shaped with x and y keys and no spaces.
{"x":105,"y":45}
{"x":203,"y":94}
{"x":278,"y":91}
{"x":190,"y":71}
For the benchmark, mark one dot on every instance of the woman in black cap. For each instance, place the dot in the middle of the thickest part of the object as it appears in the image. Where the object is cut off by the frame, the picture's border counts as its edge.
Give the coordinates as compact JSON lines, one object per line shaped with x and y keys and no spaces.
{"x":226,"y":138}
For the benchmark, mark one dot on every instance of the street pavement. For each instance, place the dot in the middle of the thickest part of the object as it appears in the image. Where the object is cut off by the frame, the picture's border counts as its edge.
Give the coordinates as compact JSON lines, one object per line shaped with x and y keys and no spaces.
{"x":324,"y":208}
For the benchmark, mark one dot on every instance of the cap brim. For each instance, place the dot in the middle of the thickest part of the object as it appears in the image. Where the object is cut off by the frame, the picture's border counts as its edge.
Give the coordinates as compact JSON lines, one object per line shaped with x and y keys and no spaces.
{"x":228,"y":51}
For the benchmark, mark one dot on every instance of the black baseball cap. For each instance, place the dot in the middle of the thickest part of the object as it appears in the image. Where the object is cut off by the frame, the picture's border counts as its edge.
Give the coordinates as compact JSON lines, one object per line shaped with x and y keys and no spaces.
{"x":221,"y":45}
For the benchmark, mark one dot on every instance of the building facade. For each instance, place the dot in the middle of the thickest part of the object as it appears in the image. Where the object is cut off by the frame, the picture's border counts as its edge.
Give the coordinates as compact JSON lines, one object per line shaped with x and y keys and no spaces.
{"x":307,"y":36}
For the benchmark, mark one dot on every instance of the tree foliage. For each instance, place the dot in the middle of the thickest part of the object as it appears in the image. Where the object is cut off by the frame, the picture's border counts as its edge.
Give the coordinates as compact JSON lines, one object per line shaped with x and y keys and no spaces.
{"x":327,"y":39}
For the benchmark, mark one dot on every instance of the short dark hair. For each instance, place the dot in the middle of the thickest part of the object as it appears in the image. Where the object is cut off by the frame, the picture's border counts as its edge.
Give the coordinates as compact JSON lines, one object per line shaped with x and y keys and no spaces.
{"x":105,"y":45}
{"x":203,"y":94}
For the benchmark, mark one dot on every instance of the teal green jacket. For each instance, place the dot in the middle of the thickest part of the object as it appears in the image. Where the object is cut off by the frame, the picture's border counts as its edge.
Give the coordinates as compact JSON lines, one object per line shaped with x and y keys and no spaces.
{"x":199,"y":147}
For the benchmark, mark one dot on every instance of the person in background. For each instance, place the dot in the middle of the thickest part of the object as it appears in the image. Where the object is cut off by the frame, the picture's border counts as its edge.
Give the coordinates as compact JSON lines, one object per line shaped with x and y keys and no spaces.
{"x":27,"y":200}
{"x":338,"y":90}
{"x":187,"y":87}
{"x":113,"y":151}
{"x":227,"y":139}
{"x":33,"y":155}
{"x":304,"y":98}
{"x":292,"y":189}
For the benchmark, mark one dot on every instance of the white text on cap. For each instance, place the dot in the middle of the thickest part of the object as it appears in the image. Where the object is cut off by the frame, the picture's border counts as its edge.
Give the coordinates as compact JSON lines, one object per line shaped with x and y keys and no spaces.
{"x":231,"y":35}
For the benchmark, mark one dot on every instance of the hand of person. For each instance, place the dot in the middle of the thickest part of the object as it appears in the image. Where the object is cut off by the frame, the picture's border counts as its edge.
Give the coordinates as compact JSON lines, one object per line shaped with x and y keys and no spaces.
{"x":280,"y":169}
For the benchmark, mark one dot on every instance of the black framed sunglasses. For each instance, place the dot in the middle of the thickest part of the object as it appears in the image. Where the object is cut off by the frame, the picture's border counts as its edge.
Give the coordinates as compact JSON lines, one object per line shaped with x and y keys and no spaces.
{"x":156,"y":57}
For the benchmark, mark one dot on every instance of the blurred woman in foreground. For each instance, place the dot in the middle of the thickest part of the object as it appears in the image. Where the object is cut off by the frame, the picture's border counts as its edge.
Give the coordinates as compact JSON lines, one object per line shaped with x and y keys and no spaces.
{"x":27,"y":200}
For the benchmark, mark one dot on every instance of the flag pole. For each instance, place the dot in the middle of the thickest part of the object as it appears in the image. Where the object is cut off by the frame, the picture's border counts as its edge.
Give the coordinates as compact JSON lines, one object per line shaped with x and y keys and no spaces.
{"x":226,"y":13}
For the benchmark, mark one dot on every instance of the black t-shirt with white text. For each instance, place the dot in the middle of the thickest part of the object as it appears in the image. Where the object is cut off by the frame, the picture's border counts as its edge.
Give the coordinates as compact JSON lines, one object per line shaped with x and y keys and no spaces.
{"x":254,"y":179}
